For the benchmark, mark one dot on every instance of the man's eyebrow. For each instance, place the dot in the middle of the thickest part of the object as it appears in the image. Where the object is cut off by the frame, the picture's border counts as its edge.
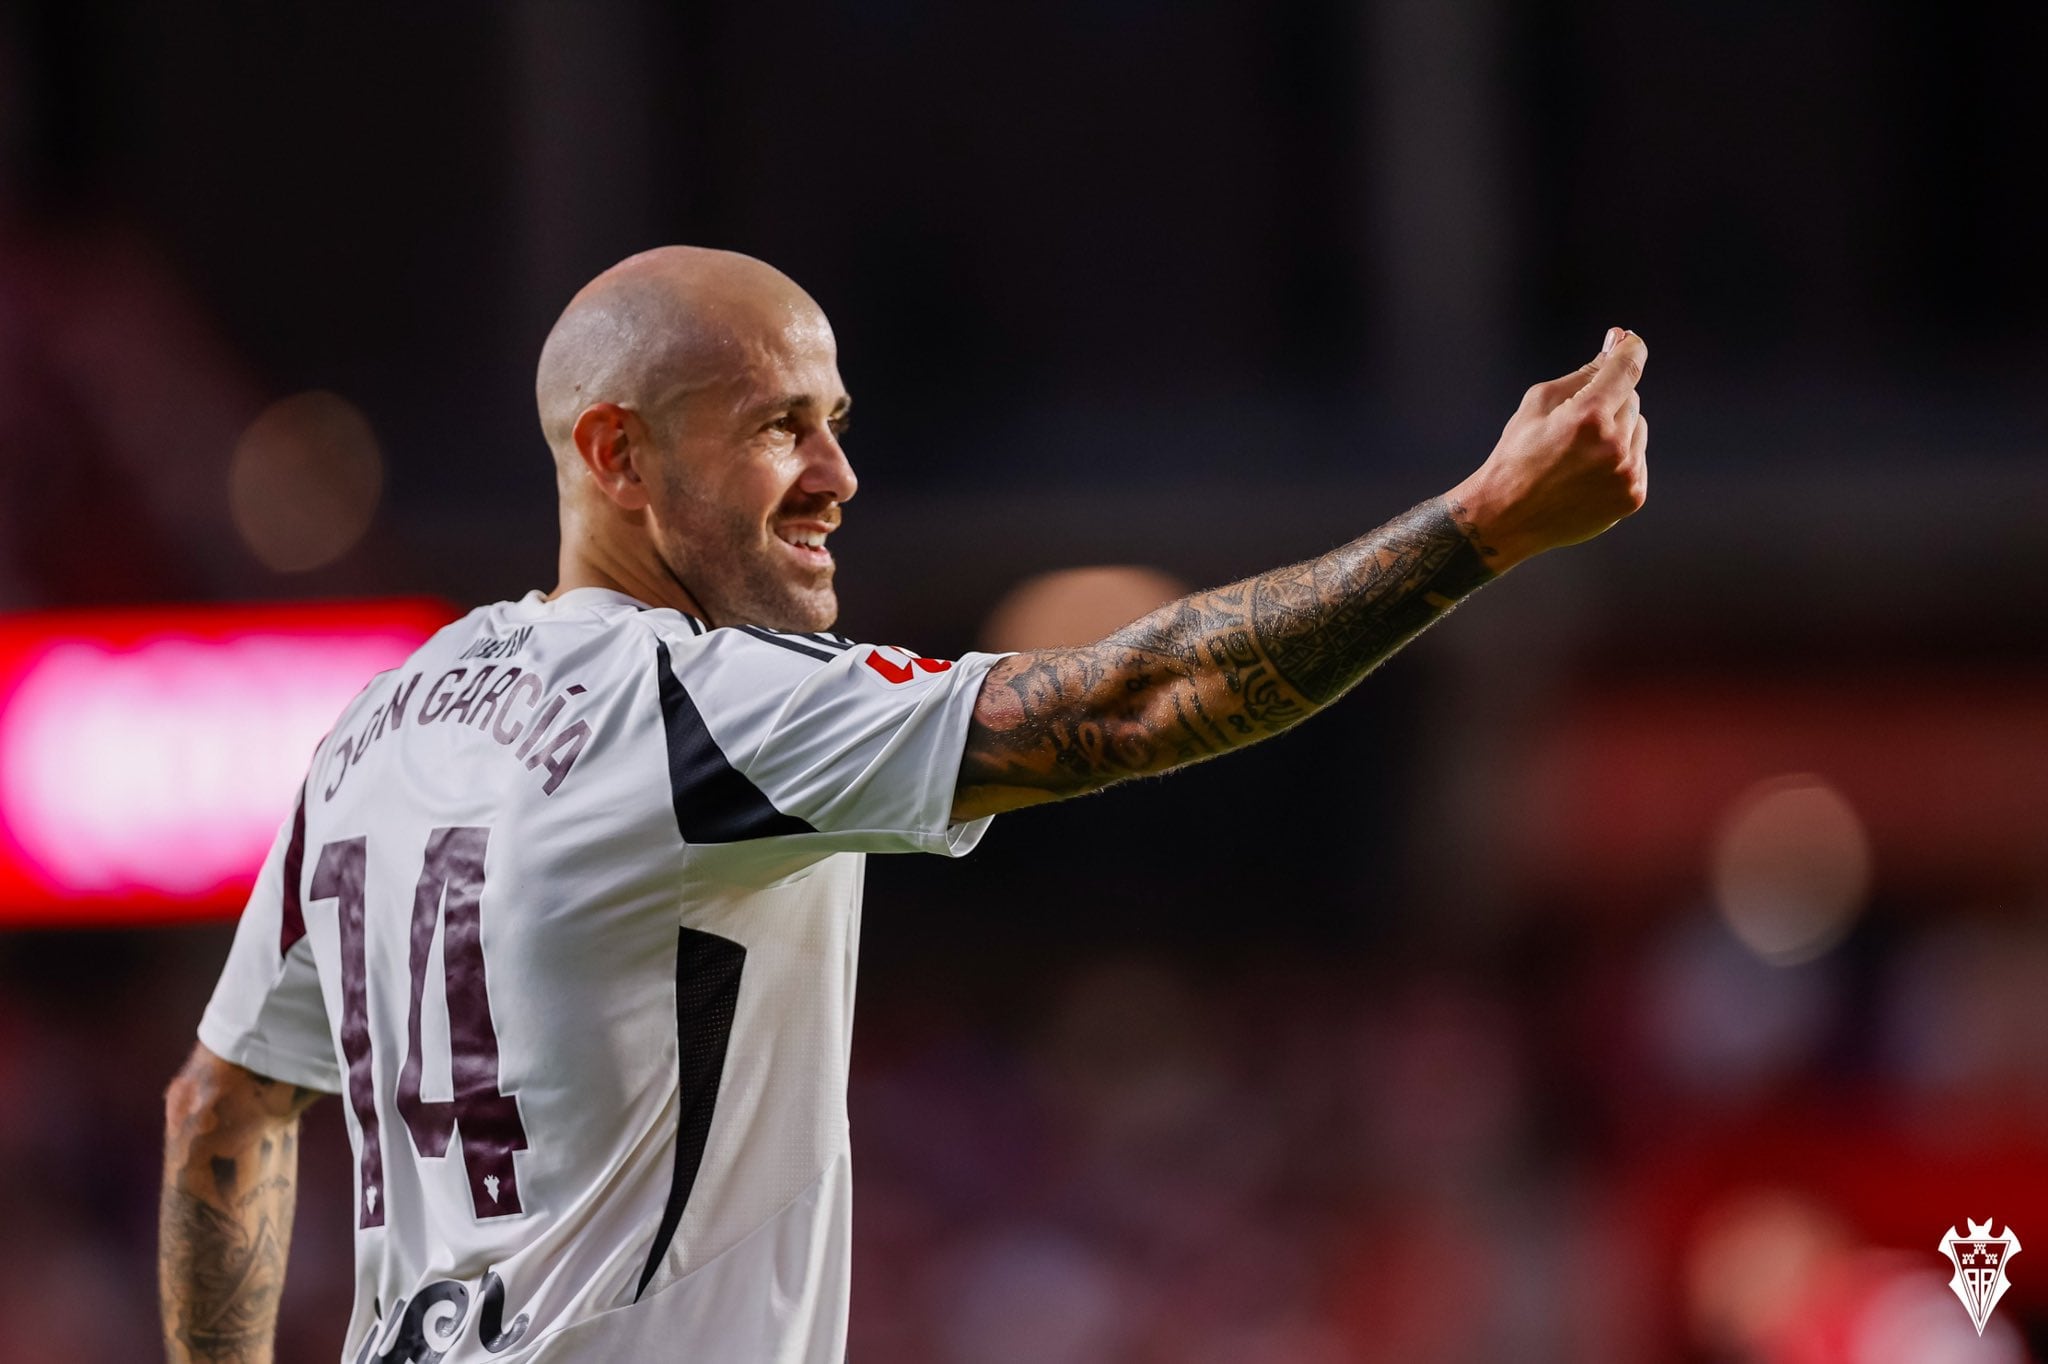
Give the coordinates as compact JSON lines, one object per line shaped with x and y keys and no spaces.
{"x":793,"y":401}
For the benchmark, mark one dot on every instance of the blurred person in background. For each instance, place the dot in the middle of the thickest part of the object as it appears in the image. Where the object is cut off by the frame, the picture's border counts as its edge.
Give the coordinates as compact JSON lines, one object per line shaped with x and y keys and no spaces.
{"x":569,"y":904}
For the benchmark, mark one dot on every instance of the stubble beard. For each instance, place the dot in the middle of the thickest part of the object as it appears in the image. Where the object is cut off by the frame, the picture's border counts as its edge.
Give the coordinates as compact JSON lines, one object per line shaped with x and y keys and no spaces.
{"x":736,"y":579}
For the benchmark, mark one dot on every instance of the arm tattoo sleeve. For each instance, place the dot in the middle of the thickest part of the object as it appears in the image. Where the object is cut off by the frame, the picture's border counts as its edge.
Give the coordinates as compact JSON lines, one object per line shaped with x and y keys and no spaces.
{"x":224,"y":1224}
{"x":1215,"y":670}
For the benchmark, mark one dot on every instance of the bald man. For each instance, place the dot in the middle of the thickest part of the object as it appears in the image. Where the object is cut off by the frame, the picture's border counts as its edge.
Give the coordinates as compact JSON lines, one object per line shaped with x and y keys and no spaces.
{"x":569,"y":904}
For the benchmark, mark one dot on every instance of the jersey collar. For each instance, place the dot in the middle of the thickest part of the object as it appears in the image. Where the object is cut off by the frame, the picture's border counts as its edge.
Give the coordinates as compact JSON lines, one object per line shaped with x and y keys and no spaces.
{"x":591,"y":596}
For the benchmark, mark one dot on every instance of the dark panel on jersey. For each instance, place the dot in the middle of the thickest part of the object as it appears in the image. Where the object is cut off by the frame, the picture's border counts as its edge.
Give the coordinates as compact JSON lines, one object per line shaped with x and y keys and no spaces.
{"x":292,"y":919}
{"x":715,"y":803}
{"x":707,"y":994}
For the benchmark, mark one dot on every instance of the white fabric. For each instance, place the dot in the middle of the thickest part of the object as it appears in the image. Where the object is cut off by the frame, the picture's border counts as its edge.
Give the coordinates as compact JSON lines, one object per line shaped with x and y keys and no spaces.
{"x":586,"y":881}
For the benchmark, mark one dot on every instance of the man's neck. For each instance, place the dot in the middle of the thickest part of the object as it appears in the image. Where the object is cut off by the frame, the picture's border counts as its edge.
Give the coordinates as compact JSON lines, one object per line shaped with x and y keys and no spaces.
{"x":650,"y":583}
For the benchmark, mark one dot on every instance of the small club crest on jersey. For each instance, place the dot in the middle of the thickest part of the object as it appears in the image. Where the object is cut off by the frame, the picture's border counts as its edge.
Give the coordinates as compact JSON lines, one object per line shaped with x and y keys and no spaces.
{"x":1979,"y":1259}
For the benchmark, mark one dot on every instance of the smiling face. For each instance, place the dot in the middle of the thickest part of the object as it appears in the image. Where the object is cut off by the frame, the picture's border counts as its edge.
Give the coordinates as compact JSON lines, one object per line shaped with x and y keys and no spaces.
{"x":751,"y":475}
{"x":693,"y":403}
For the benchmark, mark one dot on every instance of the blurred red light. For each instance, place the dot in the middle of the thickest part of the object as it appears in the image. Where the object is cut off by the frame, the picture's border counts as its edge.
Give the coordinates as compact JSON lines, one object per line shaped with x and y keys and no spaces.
{"x":147,"y":756}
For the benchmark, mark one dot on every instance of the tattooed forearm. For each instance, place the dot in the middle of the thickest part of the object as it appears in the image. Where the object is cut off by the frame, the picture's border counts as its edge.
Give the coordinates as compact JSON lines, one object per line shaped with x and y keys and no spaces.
{"x":225,"y":1222}
{"x":1215,"y":670}
{"x":1328,"y":622}
{"x":230,"y":1272}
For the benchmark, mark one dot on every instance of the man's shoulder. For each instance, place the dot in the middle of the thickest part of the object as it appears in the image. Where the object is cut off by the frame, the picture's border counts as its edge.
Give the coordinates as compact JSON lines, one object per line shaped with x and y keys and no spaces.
{"x":742,"y":663}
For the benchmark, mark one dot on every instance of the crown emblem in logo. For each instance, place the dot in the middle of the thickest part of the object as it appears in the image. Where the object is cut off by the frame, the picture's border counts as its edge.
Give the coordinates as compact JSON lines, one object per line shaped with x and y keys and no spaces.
{"x":1979,"y":1259}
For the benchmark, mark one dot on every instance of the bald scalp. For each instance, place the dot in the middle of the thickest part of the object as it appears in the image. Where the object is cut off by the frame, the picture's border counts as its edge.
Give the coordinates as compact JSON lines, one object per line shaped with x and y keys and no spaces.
{"x":654,"y":328}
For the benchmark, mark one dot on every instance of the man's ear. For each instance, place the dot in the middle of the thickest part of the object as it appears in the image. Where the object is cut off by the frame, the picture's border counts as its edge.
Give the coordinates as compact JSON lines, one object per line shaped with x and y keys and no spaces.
{"x":612,"y":442}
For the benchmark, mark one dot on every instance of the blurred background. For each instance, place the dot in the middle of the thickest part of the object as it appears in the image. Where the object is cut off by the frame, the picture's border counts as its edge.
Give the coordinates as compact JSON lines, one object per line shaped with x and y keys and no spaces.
{"x":1650,"y":965}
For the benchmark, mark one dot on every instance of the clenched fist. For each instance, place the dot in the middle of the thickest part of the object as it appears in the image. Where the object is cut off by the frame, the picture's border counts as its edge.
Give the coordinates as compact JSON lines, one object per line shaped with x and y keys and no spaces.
{"x":1570,"y":462}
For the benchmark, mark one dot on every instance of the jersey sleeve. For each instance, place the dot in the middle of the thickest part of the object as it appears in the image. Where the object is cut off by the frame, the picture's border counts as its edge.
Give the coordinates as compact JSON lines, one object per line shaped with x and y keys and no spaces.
{"x":267,"y":1012}
{"x":858,"y":746}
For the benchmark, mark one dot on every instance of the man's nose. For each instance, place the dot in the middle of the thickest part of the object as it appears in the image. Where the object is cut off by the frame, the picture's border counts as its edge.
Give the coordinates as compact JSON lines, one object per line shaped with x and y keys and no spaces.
{"x":828,"y":470}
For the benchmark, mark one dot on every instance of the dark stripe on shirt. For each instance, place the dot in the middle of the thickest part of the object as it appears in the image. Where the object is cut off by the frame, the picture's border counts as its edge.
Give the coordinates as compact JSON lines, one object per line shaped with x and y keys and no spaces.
{"x":292,"y":925}
{"x":714,"y":801}
{"x":707,"y":995}
{"x":784,"y":641}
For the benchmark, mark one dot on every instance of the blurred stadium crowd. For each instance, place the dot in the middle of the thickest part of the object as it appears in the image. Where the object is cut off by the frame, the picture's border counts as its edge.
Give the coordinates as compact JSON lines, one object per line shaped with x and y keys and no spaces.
{"x":1647,"y":967}
{"x":1654,"y":1151}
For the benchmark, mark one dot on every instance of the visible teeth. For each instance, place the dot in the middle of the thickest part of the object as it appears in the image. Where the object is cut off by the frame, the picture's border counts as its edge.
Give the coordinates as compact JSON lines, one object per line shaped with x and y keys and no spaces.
{"x":815,"y":539}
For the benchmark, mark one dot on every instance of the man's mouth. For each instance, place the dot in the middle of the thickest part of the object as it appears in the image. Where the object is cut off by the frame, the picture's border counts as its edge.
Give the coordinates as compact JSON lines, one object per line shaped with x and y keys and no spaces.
{"x":807,"y":542}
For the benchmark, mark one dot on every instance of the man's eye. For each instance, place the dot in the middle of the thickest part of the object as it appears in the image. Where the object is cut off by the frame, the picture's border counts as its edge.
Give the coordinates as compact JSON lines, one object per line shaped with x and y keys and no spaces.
{"x":841,"y":425}
{"x":785,"y":424}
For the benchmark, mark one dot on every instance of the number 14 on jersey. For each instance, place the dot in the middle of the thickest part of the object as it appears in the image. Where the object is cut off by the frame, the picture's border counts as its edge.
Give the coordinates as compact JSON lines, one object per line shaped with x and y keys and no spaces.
{"x":450,"y":892}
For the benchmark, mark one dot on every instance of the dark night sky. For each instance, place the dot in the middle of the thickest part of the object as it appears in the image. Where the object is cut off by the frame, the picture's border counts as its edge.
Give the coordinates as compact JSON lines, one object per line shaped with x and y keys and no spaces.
{"x":1099,"y":211}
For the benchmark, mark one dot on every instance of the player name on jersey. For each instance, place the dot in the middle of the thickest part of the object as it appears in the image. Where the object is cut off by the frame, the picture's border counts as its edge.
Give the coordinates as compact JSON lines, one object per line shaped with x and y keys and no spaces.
{"x":506,"y":705}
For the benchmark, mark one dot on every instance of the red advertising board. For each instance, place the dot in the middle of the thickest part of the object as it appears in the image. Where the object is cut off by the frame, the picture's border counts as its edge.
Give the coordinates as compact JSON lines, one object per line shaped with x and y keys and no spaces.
{"x":147,"y":756}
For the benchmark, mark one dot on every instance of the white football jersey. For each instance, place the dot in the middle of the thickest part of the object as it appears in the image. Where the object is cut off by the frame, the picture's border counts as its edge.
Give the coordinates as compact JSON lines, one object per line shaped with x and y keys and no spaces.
{"x":568,"y":912}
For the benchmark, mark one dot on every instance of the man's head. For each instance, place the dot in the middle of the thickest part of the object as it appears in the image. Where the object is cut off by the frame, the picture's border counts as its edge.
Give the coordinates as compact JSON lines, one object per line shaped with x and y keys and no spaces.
{"x":693,"y":403}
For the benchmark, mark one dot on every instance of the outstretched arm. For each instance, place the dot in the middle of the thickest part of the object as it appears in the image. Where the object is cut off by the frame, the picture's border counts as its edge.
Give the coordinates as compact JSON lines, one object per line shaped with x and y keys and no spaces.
{"x":1224,"y":668}
{"x":224,"y":1225}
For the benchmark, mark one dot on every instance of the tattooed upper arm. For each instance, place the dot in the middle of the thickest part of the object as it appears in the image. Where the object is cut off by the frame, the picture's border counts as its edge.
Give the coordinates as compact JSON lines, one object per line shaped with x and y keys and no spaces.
{"x":1058,"y":722}
{"x":1212,"y":671}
